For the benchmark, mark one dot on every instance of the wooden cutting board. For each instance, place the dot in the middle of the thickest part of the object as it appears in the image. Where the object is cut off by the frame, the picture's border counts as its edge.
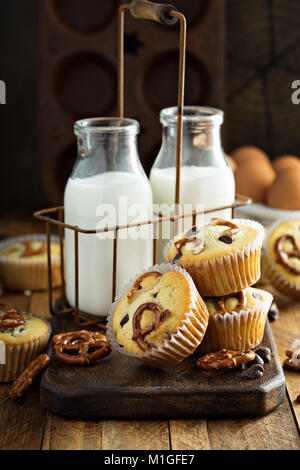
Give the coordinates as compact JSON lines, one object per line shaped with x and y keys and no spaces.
{"x":121,"y":387}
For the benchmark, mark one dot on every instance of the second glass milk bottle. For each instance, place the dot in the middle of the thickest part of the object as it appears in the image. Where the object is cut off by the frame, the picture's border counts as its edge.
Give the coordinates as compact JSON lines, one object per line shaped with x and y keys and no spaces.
{"x":206,"y":178}
{"x":108,"y":184}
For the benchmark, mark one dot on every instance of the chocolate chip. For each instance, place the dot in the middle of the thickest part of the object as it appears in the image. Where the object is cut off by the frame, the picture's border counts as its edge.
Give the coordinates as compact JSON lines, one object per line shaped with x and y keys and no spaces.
{"x":255,"y":372}
{"x":124,"y":320}
{"x":265,"y":354}
{"x":256,"y":360}
{"x":273,"y":313}
{"x":226,"y":239}
{"x":298,"y":399}
{"x":177,"y":257}
{"x":155,"y":295}
{"x":191,"y":232}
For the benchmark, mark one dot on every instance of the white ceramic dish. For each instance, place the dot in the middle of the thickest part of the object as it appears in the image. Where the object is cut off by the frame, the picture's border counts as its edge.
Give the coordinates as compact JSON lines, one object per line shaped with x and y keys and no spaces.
{"x":264,"y":214}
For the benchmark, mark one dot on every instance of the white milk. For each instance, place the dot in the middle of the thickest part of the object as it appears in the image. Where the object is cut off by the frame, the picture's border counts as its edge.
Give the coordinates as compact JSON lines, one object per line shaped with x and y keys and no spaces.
{"x":82,"y":199}
{"x":209,"y":186}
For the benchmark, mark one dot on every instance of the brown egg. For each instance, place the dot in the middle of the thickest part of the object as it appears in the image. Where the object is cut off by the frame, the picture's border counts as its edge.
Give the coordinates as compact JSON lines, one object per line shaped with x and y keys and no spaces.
{"x":248,"y":151}
{"x":253,"y":178}
{"x":284,"y":193}
{"x":286,"y":161}
{"x":231,"y":163}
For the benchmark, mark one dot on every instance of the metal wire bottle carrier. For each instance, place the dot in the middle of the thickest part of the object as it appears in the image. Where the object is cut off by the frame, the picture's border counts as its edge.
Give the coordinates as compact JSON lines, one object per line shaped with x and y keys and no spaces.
{"x":54,"y":217}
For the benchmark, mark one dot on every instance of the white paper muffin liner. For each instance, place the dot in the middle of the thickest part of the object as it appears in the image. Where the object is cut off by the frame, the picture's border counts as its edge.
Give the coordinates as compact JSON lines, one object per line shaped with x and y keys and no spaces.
{"x":282,"y":284}
{"x":28,"y":274}
{"x":18,"y":357}
{"x":187,"y":337}
{"x":227,"y":274}
{"x":237,"y":330}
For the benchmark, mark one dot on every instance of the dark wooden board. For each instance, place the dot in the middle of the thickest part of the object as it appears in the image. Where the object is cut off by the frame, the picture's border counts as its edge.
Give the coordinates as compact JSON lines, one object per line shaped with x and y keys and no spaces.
{"x":121,"y":387}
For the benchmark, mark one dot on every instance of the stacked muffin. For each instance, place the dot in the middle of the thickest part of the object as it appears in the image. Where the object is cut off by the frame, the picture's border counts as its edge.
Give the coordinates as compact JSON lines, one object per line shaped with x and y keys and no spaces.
{"x":224,"y":261}
{"x":202,"y":299}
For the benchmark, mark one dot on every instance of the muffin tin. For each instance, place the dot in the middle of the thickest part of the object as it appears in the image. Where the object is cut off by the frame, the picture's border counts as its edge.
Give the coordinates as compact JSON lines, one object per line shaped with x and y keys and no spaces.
{"x":77,"y":63}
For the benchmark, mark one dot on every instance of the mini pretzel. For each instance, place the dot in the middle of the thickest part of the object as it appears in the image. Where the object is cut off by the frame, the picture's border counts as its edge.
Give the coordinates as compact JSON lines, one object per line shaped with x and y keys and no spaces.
{"x":138,"y":333}
{"x":198,"y":245}
{"x":11,"y":319}
{"x":291,"y":365}
{"x":137,"y":285}
{"x":29,"y":251}
{"x":283,"y":257}
{"x":220,"y":301}
{"x":81,"y":347}
{"x":233,"y":228}
{"x":289,"y":353}
{"x":225,"y":359}
{"x":26,"y":378}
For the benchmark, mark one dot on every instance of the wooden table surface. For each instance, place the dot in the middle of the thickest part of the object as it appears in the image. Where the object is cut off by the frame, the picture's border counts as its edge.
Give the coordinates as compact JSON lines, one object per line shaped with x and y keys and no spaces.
{"x":26,"y":426}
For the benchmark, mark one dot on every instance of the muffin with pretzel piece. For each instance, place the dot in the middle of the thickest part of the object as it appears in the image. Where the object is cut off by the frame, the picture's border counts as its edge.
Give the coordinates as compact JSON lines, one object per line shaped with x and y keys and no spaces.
{"x":222,"y":257}
{"x":159,"y":318}
{"x":22,"y":337}
{"x":282,"y":256}
{"x":236,"y":321}
{"x":24,"y":265}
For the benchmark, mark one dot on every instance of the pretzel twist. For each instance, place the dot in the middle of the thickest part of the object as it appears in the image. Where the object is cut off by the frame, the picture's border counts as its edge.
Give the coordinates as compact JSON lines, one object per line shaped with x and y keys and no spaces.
{"x":138,"y":333}
{"x":283,"y":257}
{"x":81,"y":347}
{"x":291,"y":365}
{"x":26,"y":378}
{"x":233,"y":229}
{"x":137,"y":285}
{"x":225,"y":359}
{"x":11,"y":317}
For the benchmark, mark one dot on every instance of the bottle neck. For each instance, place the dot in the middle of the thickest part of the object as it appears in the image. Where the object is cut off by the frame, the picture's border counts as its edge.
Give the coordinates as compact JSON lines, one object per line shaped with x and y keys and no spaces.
{"x":203,"y":137}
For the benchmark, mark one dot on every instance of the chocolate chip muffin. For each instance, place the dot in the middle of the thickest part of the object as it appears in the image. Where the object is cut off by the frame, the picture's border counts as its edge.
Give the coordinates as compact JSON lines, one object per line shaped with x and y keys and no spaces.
{"x":24,"y":265}
{"x":282,"y":256}
{"x":160,"y":318}
{"x":22,"y":337}
{"x":222,"y":257}
{"x":236,"y":321}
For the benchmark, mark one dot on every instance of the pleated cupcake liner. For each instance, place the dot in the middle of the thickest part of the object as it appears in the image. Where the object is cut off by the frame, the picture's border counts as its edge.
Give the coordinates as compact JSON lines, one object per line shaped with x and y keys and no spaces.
{"x":28,"y":274}
{"x":237,"y":330}
{"x":180,"y":344}
{"x":283,"y":285}
{"x":18,"y":357}
{"x":227,"y":274}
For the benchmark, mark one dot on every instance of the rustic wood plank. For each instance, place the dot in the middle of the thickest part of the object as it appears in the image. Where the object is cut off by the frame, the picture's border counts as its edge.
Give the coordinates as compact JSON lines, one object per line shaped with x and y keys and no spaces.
{"x":277,"y":430}
{"x":286,"y":329}
{"x":135,"y":435}
{"x":61,"y":434}
{"x":39,"y":303}
{"x":189,"y":435}
{"x":22,"y":422}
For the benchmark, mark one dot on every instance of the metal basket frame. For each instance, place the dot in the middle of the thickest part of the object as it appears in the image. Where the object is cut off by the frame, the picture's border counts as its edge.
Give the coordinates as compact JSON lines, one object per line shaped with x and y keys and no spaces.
{"x":54,"y":217}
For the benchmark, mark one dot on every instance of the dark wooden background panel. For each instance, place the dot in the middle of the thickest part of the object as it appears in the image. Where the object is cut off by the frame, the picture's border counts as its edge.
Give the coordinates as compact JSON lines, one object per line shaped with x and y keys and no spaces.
{"x":18,"y":157}
{"x":263,"y":59}
{"x":77,"y":63}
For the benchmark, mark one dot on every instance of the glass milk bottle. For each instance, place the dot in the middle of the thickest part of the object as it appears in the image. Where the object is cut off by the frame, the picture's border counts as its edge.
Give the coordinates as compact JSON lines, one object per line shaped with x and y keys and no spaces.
{"x":206,"y":177}
{"x":107,"y":188}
